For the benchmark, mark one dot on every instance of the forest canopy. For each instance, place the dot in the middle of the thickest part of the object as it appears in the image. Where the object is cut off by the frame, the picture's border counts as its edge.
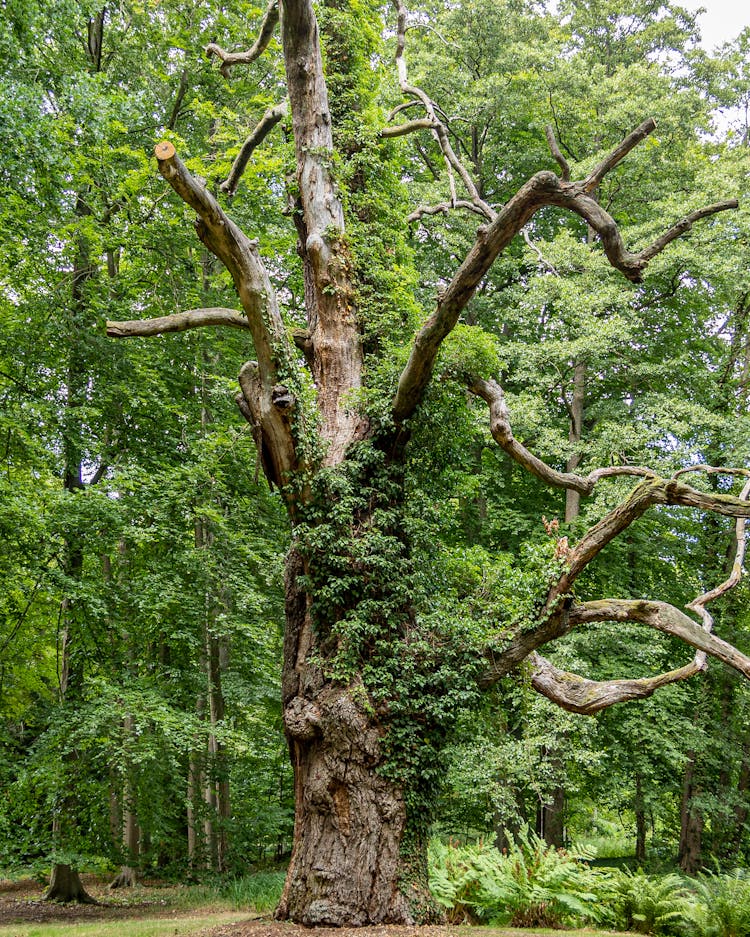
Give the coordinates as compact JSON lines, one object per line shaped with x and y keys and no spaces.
{"x":449,"y":447}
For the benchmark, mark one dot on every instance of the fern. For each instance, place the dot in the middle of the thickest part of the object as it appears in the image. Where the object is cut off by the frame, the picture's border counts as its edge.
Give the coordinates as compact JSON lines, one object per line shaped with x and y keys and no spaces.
{"x":651,"y":904}
{"x":722,"y":906}
{"x":531,"y":885}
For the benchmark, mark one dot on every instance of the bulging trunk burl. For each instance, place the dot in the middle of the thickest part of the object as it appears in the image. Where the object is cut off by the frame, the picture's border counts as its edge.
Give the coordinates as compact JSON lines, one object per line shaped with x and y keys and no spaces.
{"x":349,"y":819}
{"x":348,"y":864}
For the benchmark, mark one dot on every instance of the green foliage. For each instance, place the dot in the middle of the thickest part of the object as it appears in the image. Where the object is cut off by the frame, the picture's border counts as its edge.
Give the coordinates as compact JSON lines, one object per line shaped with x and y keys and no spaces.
{"x":531,"y":884}
{"x":721,"y":905}
{"x":651,"y":904}
{"x":260,"y":891}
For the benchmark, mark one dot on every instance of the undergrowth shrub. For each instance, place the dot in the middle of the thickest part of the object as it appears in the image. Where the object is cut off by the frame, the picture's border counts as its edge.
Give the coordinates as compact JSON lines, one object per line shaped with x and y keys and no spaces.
{"x":531,"y":885}
{"x":722,"y":905}
{"x":261,"y":890}
{"x":650,"y":904}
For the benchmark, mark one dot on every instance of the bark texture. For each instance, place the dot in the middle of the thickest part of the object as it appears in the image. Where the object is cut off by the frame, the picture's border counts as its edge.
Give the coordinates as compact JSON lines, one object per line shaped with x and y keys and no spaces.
{"x":65,"y":886}
{"x":350,"y":821}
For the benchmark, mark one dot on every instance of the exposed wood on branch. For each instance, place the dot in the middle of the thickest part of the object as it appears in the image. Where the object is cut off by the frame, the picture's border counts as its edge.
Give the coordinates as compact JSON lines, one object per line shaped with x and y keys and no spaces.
{"x":683,"y":226}
{"x":269,"y":120}
{"x":699,"y":604}
{"x":649,"y":492}
{"x":540,"y":256}
{"x":444,"y":208}
{"x":230,"y":59}
{"x":561,"y":613}
{"x":411,"y":126}
{"x":179,"y":322}
{"x":329,"y":295}
{"x":240,"y":256}
{"x":238,"y":253}
{"x":663,"y":617}
{"x":500,"y":427}
{"x":618,"y":154}
{"x":586,"y":697}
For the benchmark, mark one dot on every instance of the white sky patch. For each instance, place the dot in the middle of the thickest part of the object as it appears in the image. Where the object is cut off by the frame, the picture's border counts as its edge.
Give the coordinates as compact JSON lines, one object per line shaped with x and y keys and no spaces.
{"x":722,"y":20}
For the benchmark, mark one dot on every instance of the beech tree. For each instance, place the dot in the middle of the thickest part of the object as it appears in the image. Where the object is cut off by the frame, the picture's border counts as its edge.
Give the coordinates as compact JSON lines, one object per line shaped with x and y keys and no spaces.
{"x":372,"y":680}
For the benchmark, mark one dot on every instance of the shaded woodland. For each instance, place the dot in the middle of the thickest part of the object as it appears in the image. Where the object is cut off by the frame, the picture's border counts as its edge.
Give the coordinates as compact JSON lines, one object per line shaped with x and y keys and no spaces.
{"x":460,"y":378}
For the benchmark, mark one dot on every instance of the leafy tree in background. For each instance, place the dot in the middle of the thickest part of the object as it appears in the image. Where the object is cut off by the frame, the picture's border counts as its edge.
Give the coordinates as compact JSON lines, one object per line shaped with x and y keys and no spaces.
{"x":379,"y":657}
{"x":119,"y":572}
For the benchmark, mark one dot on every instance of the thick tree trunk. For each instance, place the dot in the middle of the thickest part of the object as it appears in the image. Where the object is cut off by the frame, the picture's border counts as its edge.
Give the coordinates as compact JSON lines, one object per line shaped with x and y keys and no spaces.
{"x":350,"y":823}
{"x":551,"y":818}
{"x":65,"y":885}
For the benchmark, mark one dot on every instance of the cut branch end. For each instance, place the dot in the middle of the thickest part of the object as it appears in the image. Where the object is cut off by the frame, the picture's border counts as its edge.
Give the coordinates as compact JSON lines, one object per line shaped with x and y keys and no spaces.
{"x":164,"y":150}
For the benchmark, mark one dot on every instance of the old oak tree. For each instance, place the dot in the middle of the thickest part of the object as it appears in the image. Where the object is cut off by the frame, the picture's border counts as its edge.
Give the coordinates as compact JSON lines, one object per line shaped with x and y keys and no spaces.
{"x":370,"y":684}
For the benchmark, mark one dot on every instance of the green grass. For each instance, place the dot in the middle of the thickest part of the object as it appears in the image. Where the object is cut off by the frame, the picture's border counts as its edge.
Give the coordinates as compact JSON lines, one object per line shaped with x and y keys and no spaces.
{"x":173,"y":926}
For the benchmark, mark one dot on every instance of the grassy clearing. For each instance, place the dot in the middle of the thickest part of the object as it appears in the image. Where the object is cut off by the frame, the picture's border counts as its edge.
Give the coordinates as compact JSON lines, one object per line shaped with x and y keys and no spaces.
{"x":176,"y":926}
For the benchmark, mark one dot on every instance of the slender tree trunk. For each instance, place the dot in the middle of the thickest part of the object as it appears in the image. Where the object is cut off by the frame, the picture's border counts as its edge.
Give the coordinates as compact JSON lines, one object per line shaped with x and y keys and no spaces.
{"x":691,"y":822}
{"x":217,"y":651}
{"x":194,"y":831}
{"x":573,"y":498}
{"x":130,"y":830}
{"x":743,"y":800}
{"x":65,"y":884}
{"x":639,"y":807}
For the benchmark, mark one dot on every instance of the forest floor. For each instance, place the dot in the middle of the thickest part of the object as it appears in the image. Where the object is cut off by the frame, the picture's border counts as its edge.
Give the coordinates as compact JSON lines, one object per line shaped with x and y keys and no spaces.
{"x":157,"y":910}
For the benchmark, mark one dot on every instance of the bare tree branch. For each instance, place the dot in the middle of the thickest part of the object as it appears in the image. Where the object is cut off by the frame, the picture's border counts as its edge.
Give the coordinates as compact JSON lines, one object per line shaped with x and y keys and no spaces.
{"x":560,"y":613}
{"x":240,"y":256}
{"x":544,"y":188}
{"x":443,"y":208}
{"x":663,"y":617}
{"x":683,"y":226}
{"x":500,"y":427}
{"x":557,"y":153}
{"x":178,"y":322}
{"x":269,"y":120}
{"x":432,"y":122}
{"x":618,"y":154}
{"x":699,"y":604}
{"x":230,"y":59}
{"x":238,"y":253}
{"x":540,"y":256}
{"x":712,"y":470}
{"x":649,"y":492}
{"x":586,"y":697}
{"x":411,"y":126}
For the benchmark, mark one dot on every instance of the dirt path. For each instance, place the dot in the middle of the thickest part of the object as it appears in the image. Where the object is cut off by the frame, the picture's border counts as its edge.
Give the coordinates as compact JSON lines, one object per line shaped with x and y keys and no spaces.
{"x":21,"y":903}
{"x":266,"y":928}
